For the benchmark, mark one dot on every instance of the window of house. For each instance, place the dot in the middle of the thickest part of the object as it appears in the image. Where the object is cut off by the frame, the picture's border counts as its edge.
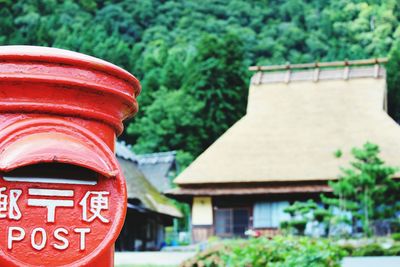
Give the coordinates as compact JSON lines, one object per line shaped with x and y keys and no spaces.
{"x":269,"y":214}
{"x":231,"y":221}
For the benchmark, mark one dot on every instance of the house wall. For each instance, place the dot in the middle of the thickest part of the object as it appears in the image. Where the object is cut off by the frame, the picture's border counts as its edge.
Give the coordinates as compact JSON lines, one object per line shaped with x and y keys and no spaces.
{"x":224,"y":207}
{"x":202,"y":211}
{"x":202,"y":233}
{"x":202,"y":218}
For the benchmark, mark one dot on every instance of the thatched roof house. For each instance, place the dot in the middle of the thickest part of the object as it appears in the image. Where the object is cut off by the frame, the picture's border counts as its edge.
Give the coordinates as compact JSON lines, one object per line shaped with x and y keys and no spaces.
{"x":157,"y":167}
{"x":297,"y":117}
{"x":142,"y":195}
{"x":148,"y":210}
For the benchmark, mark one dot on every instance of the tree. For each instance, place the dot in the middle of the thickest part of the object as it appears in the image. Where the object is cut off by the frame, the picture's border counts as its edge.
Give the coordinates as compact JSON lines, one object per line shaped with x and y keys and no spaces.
{"x":366,"y":188}
{"x":170,"y":122}
{"x":193,"y":95}
{"x":216,"y":77}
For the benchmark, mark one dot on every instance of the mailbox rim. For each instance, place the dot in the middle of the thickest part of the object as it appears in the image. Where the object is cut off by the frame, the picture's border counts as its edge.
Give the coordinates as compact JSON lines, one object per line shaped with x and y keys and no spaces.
{"x":62,"y":56}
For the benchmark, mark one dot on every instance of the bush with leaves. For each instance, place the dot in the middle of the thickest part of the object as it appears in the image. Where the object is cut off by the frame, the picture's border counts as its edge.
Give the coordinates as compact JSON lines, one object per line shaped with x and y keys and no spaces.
{"x":279,"y":251}
{"x":371,"y":247}
{"x":301,"y":213}
{"x":396,"y":236}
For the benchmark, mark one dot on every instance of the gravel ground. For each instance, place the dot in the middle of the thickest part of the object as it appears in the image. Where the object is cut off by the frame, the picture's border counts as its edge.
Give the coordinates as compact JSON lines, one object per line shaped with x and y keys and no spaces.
{"x":371,"y":262}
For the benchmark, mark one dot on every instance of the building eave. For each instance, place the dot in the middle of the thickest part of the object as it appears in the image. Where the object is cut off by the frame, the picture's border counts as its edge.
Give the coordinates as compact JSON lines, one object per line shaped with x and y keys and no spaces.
{"x":234,"y":190}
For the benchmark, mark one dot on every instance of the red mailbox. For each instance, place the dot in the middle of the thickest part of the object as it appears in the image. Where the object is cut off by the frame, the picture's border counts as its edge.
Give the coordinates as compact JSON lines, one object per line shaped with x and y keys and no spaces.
{"x":62,"y":194}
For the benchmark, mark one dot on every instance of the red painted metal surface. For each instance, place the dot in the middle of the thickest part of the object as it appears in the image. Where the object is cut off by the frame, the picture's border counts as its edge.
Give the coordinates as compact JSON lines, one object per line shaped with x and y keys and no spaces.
{"x":60,"y":108}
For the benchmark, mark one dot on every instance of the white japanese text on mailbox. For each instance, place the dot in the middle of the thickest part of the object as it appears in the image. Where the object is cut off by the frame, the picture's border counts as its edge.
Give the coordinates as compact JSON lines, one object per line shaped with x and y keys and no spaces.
{"x":92,"y":206}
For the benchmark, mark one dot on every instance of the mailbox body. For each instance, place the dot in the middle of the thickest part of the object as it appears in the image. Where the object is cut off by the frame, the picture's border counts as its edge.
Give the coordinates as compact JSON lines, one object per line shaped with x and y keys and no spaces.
{"x":62,"y":194}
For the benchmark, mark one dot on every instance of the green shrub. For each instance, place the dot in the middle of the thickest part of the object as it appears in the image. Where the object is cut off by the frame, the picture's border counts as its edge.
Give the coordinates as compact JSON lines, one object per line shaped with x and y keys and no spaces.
{"x":395,"y":224}
{"x":348,"y":248}
{"x":284,"y":225}
{"x":321,"y":214}
{"x":277,"y":252}
{"x":396,"y":236}
{"x":369,"y":250}
{"x":299,"y":225}
{"x":393,"y":251}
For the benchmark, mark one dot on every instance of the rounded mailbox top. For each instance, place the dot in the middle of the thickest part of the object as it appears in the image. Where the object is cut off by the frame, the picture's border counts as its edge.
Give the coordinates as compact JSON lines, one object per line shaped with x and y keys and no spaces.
{"x":56,"y":81}
{"x":62,"y":56}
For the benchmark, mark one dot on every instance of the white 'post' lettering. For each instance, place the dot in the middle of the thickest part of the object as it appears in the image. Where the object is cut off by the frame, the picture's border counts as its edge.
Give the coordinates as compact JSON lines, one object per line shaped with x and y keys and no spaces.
{"x":61,"y":238}
{"x":82,"y":232}
{"x":41,"y":245}
{"x":11,"y":237}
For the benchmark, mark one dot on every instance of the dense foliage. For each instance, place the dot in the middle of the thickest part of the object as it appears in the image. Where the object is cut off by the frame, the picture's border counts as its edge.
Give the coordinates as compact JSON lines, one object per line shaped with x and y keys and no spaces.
{"x":302,"y":213}
{"x":365,"y":195}
{"x":366,"y":189}
{"x":277,"y":252}
{"x":291,"y":251}
{"x":191,"y":56}
{"x":382,"y":246}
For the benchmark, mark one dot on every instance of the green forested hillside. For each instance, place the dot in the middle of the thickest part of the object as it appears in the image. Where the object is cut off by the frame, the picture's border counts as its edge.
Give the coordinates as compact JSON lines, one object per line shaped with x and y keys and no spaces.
{"x":192,"y":56}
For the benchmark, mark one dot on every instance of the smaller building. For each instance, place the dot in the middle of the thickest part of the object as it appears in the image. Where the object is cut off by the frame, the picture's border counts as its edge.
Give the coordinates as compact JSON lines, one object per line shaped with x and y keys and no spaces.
{"x":159,"y":168}
{"x":149,"y":212}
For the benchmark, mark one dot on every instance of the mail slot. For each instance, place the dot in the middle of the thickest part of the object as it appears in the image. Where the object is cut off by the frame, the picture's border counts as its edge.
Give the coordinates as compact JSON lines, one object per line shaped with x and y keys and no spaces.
{"x":62,"y":194}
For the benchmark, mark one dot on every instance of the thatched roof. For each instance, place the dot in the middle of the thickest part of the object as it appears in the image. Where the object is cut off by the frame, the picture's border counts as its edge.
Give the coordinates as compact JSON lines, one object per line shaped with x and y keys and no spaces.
{"x":140,"y":189}
{"x":293,"y":127}
{"x":156,"y":167}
